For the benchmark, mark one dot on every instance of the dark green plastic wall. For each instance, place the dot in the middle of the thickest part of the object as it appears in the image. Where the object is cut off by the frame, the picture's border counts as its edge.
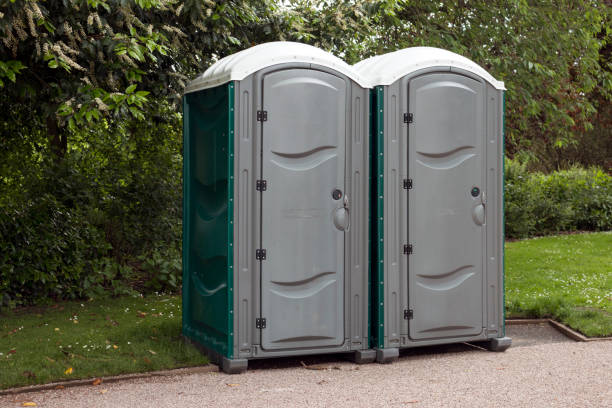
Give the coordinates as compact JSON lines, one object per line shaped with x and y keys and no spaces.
{"x":377,"y":274}
{"x":208,"y":136}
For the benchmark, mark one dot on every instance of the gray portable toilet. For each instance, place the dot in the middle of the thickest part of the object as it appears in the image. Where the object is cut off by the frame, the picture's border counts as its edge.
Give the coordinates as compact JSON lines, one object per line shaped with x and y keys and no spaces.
{"x":276,"y":198}
{"x":437,"y":209}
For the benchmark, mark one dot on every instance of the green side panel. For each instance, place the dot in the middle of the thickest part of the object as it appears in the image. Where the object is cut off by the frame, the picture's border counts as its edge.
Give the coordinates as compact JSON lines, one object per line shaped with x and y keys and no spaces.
{"x":371,"y":235}
{"x":503,"y":187}
{"x":377,"y":221}
{"x":208,"y":128}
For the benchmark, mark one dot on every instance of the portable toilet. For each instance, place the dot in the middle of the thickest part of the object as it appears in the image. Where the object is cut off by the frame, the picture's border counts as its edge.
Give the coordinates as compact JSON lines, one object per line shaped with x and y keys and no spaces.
{"x":437,"y":206}
{"x":276,"y":203}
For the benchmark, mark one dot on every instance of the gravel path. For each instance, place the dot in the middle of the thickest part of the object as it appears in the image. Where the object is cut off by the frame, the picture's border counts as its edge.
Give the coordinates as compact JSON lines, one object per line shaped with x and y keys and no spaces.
{"x":537,"y":374}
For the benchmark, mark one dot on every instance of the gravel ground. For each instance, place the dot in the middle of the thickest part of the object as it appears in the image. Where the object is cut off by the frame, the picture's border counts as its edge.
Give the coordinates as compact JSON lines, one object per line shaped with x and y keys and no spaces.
{"x":544,"y":371}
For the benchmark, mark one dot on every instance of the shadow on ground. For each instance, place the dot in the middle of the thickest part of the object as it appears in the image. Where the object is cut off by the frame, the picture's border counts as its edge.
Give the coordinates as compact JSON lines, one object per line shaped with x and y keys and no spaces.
{"x":522,"y":336}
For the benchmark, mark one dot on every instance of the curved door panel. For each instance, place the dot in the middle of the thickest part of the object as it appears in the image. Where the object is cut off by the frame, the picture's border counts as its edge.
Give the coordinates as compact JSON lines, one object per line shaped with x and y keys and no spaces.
{"x":445,"y":161}
{"x":303,"y":162}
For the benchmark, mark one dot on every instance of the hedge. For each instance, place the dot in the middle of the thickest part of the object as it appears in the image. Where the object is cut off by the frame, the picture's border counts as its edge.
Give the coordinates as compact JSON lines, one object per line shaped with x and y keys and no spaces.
{"x":568,"y":200}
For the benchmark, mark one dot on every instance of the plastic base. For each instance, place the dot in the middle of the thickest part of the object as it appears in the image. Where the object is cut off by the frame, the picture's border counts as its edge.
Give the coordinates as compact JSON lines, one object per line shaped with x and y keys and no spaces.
{"x":234,"y":366}
{"x":364,"y":356}
{"x":499,"y":344}
{"x":387,"y":355}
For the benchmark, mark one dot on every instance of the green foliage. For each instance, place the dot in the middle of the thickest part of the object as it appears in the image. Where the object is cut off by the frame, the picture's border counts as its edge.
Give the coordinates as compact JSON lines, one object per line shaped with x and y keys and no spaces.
{"x":162,"y":270}
{"x":80,"y":61}
{"x":10,"y":70}
{"x":101,"y":221}
{"x":553,"y":56}
{"x":49,"y":251}
{"x":567,"y":200}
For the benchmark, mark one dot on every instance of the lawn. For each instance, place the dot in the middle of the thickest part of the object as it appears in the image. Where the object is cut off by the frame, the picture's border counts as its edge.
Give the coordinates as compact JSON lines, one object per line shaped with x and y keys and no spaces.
{"x":91,"y":339}
{"x":566,"y":277}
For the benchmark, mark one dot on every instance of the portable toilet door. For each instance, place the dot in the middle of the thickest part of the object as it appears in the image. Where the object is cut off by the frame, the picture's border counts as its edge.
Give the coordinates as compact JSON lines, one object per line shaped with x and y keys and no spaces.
{"x":276,"y":204}
{"x":438,"y":211}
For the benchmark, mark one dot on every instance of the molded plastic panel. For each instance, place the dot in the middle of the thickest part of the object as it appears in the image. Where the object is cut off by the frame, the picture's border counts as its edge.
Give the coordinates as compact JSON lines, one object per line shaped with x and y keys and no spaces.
{"x":445,"y":157}
{"x":207,"y":233}
{"x":303,"y":162}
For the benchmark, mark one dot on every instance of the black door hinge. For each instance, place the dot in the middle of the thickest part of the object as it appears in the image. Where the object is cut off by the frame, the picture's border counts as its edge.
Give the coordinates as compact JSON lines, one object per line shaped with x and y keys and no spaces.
{"x":260,"y":254}
{"x":407,"y":249}
{"x":261,"y":185}
{"x":260,"y":323}
{"x":408,"y":117}
{"x":408,"y":314}
{"x":407,"y":184}
{"x":262,"y":116}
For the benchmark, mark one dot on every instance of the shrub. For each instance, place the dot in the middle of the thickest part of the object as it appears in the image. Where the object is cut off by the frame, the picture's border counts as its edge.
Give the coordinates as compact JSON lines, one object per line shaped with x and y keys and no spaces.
{"x":103,"y":220}
{"x":566,"y":200}
{"x":519,"y":201}
{"x":49,"y":251}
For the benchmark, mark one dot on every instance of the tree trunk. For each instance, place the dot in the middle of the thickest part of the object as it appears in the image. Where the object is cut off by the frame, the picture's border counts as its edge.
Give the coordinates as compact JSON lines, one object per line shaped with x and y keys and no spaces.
{"x":58,"y":140}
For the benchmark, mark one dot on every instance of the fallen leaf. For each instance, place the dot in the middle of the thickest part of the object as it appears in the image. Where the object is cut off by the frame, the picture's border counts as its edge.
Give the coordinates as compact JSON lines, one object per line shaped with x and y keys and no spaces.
{"x":313,"y":367}
{"x":50,"y":359}
{"x":13,"y":351}
{"x":75,"y":321}
{"x":28,"y":404}
{"x":115,"y":346}
{"x":232,"y":385}
{"x":59,"y":387}
{"x":56,"y":329}
{"x":141,"y":314}
{"x":152,"y":352}
{"x":412,"y":402}
{"x":322,"y":382}
{"x":68,"y":371}
{"x":104,"y":391}
{"x":146,"y":360}
{"x":97,"y":381}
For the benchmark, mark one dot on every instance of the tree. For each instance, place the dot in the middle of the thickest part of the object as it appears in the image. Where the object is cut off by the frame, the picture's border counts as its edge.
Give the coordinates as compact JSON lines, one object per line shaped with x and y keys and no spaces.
{"x":547,"y":52}
{"x":75,"y":61}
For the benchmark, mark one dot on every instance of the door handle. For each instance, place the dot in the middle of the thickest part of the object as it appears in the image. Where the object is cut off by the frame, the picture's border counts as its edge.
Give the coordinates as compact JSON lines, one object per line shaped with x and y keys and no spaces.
{"x":342,"y":219}
{"x":478,"y":214}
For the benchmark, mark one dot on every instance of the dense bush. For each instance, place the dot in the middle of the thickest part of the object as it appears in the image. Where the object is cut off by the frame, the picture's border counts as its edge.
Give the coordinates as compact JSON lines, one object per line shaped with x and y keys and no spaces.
{"x":106,"y":219}
{"x":566,"y":200}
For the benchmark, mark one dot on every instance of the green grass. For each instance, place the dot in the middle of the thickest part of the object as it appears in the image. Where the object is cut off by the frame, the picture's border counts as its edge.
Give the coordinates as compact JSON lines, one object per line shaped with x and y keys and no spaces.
{"x":97,"y":338}
{"x":566,"y":277}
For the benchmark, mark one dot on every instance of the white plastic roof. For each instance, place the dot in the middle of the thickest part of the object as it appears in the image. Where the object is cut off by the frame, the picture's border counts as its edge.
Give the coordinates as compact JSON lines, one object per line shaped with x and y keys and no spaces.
{"x":388,"y":68}
{"x":242,"y":64}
